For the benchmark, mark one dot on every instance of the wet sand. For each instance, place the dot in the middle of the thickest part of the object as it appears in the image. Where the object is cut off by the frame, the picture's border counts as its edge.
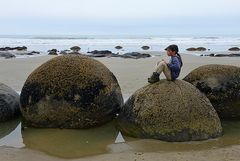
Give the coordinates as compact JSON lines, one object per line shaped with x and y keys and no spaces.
{"x":222,"y":154}
{"x":132,"y":75}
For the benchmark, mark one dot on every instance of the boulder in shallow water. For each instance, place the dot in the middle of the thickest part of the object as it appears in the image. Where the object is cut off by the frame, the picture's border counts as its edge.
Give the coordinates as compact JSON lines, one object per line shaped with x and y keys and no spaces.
{"x":221,"y":84}
{"x":169,"y":111}
{"x":70,"y":91}
{"x":9,"y":103}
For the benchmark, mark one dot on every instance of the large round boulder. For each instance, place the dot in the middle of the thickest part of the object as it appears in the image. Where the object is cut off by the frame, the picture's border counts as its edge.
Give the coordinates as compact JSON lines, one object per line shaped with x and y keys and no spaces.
{"x":169,"y":111}
{"x":221,"y":84}
{"x":9,"y":103}
{"x":70,"y":91}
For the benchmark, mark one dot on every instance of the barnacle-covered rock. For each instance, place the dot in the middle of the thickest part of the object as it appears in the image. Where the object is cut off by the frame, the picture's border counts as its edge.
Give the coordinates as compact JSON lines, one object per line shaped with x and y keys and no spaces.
{"x":169,"y":111}
{"x":221,"y":84}
{"x":70,"y":91}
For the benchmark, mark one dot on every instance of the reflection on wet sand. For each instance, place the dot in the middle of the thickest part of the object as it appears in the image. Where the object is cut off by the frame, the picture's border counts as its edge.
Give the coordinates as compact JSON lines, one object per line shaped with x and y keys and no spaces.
{"x":69,"y":143}
{"x":7,"y":127}
{"x":231,"y":137}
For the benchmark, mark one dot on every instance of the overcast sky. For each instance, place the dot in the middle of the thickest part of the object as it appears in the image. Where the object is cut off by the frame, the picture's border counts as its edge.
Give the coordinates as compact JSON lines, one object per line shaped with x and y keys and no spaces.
{"x":119,"y":17}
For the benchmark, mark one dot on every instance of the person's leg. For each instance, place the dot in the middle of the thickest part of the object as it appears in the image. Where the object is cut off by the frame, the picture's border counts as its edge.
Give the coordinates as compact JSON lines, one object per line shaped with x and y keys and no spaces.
{"x":162,"y":67}
{"x":159,"y":67}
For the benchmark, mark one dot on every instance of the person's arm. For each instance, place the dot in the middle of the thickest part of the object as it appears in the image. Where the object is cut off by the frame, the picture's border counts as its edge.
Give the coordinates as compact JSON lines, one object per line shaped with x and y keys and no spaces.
{"x":174,"y":64}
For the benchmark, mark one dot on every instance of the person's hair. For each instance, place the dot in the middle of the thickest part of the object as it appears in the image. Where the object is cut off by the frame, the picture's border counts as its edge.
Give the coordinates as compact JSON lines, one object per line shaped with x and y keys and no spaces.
{"x":180,"y":58}
{"x":175,"y":48}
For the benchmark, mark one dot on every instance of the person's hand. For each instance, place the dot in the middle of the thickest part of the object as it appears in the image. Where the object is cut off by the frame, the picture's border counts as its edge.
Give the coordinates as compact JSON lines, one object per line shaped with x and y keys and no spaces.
{"x":164,"y":61}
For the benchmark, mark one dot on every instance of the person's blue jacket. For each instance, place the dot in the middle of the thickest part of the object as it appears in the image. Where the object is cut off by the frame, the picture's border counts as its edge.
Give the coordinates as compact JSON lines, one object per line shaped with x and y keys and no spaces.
{"x":175,"y":65}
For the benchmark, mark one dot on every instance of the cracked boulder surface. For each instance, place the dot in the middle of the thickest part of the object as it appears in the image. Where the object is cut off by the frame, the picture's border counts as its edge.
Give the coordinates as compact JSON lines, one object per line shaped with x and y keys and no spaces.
{"x":70,"y":91}
{"x":221,"y":84}
{"x":172,"y":111}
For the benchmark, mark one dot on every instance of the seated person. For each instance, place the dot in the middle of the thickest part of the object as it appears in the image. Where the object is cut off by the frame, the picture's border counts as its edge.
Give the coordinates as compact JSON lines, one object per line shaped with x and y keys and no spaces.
{"x":172,"y":69}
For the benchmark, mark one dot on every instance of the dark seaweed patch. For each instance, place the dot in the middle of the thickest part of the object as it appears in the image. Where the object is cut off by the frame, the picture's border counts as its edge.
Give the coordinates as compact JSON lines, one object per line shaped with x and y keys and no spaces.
{"x":86,"y":95}
{"x":33,"y":91}
{"x":36,"y":92}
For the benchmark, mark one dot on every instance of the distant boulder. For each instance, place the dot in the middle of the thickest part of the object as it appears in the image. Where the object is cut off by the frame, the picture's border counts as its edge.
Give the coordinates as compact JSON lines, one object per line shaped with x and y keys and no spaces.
{"x":75,"y":48}
{"x":5,"y":49}
{"x":222,"y":55}
{"x":201,"y":49}
{"x":65,"y":52}
{"x":26,"y":52}
{"x":135,"y":55}
{"x":19,"y":48}
{"x":234,"y":49}
{"x":118,"y":47}
{"x":145,"y":47}
{"x":196,"y":49}
{"x":53,"y":52}
{"x":101,"y":53}
{"x":7,"y":55}
{"x":191,"y":49}
{"x":234,"y":55}
{"x":69,"y":52}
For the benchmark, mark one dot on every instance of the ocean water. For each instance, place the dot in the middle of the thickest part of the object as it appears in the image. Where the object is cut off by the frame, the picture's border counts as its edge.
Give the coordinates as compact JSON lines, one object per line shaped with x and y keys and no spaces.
{"x":43,"y":43}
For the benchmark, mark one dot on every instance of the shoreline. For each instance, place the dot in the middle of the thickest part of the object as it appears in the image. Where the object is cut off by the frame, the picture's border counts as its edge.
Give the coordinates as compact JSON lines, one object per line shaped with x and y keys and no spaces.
{"x":152,"y":53}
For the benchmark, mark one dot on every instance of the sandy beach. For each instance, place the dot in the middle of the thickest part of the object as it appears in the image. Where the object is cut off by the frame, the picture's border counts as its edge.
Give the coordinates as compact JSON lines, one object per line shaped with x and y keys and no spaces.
{"x":224,"y":154}
{"x":132,"y":74}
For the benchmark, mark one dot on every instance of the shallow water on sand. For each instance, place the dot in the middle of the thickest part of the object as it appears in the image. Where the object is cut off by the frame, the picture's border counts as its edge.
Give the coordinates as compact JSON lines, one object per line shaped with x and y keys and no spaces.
{"x":68,"y":143}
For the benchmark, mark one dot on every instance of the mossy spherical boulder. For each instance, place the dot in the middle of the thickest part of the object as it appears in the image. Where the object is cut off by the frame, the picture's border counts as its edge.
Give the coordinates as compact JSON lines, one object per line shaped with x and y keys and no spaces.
{"x":9,"y":103}
{"x":221,"y":84}
{"x":169,"y":111}
{"x":70,"y":91}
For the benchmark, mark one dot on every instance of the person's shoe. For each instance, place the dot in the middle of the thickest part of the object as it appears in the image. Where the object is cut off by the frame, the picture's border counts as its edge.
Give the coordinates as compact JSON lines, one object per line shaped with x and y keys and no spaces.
{"x":154,"y":78}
